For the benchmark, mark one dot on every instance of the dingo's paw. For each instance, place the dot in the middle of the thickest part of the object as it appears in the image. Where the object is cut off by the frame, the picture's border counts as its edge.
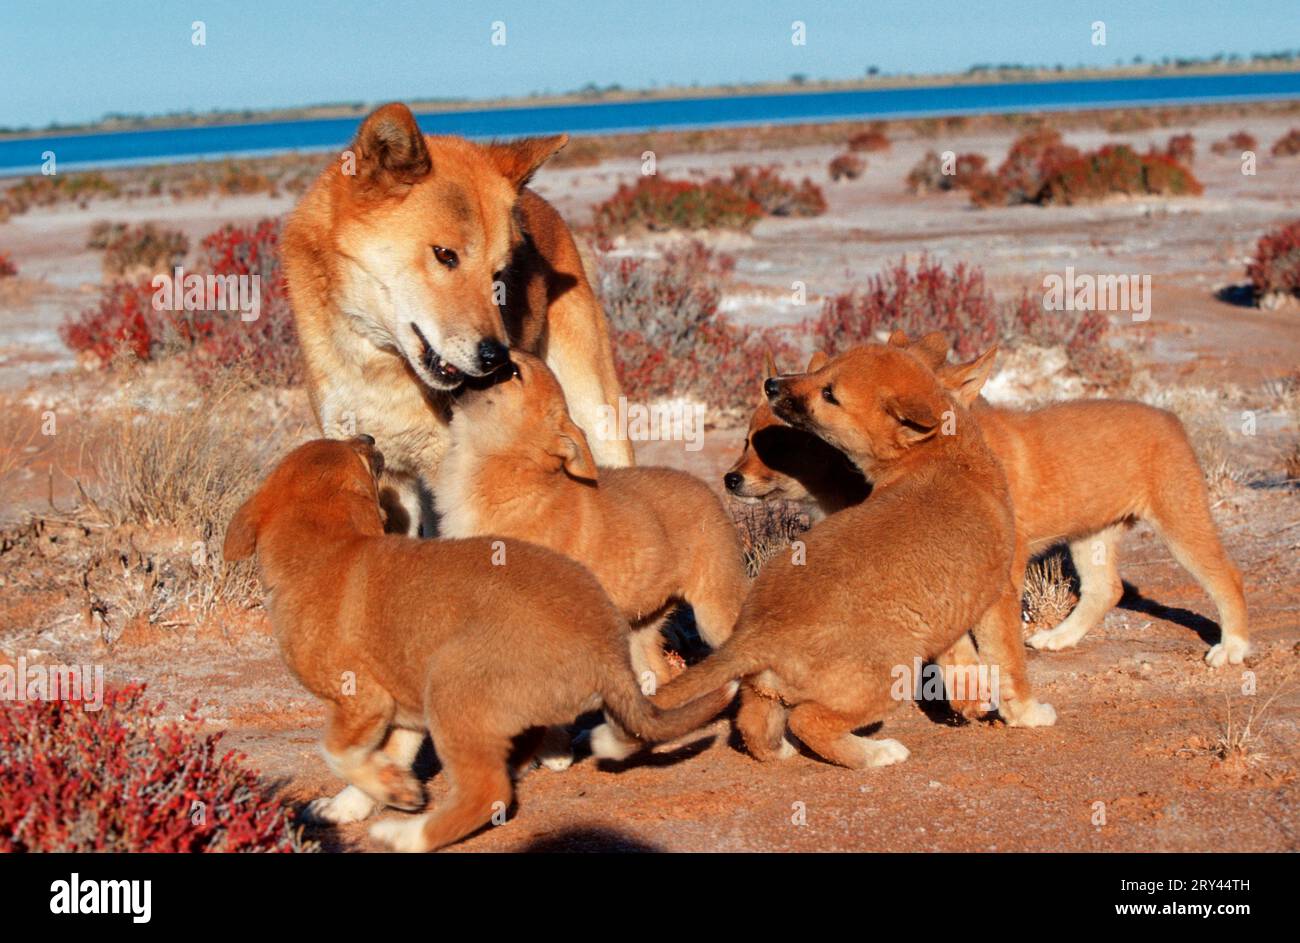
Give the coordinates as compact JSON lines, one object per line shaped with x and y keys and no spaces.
{"x":350,"y":805}
{"x":1230,"y":651}
{"x":401,"y":834}
{"x":608,"y":745}
{"x":885,"y":752}
{"x":401,"y":789}
{"x":1052,"y":640}
{"x":1029,"y":713}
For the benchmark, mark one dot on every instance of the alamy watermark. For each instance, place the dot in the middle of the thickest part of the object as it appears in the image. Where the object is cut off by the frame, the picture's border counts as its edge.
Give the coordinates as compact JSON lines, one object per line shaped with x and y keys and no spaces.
{"x":23,"y":682}
{"x":669,"y":421}
{"x":1085,"y":292}
{"x":178,"y":291}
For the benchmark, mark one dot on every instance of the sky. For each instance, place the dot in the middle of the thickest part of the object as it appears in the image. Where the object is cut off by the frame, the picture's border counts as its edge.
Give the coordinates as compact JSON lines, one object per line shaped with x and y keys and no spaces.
{"x":73,"y":62}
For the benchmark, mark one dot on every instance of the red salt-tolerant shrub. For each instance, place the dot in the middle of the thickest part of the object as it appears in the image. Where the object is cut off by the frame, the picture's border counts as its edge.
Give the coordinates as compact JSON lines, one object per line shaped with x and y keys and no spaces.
{"x":846,"y":167}
{"x":928,"y":176}
{"x":126,"y":319}
{"x":929,"y":298}
{"x":956,"y":302}
{"x":869,"y":140}
{"x":776,"y":195}
{"x":658,"y":204}
{"x":1288,"y":145}
{"x":1235,"y":143}
{"x":7,"y":267}
{"x":669,"y":336}
{"x":1275,"y":269}
{"x":1181,"y":148}
{"x":1116,"y":169}
{"x":1029,"y":161}
{"x":121,"y":779}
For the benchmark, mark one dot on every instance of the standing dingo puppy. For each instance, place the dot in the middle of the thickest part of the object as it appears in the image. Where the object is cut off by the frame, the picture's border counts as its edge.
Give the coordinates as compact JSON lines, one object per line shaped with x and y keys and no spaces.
{"x":414,"y":262}
{"x":900,"y":576}
{"x":407,"y":635}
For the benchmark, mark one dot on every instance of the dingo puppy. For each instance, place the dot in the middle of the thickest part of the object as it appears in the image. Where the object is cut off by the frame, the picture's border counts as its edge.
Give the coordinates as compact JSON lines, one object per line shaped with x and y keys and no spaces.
{"x":519,"y":467}
{"x":414,"y":262}
{"x":1079,"y":472}
{"x":900,"y":576}
{"x":402,"y":634}
{"x":1084,"y":501}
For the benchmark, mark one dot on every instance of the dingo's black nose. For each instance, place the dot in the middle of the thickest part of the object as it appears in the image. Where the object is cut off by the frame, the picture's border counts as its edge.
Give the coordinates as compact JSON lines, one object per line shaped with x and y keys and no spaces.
{"x":733,"y":480}
{"x":772,"y":387}
{"x":492,"y":354}
{"x":367,"y":438}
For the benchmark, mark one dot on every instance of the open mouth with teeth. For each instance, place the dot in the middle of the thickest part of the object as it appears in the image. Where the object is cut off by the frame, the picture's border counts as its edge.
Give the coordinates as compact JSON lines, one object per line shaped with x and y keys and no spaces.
{"x":445,"y":373}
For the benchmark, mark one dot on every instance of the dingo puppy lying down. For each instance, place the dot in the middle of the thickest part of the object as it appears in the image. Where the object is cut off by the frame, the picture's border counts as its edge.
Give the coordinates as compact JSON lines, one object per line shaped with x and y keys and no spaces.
{"x":520,"y":467}
{"x":405,"y":634}
{"x":899,"y":576}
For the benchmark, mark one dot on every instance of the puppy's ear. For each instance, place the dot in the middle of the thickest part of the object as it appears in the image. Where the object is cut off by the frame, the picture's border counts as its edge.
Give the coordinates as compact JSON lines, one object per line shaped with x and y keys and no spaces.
{"x":571,"y":448}
{"x":769,"y":364}
{"x":933,"y":349}
{"x":899,"y":339}
{"x":918,"y":417}
{"x":390,"y":150}
{"x":519,"y":160}
{"x":241,"y":532}
{"x":817,"y":361}
{"x":966,"y":380}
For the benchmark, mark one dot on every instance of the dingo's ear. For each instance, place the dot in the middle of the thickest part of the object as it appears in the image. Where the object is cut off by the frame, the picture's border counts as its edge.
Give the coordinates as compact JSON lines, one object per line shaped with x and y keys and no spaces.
{"x":241,"y":532}
{"x":519,"y":160}
{"x":933,"y":349}
{"x":817,"y":361}
{"x":571,"y":449}
{"x":899,"y":339}
{"x":769,"y":364}
{"x":390,"y":149}
{"x":918,"y":417}
{"x":966,"y":380}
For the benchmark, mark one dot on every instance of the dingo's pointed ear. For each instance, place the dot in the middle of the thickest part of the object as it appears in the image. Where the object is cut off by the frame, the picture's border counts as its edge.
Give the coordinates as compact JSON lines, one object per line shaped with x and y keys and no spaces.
{"x":966,"y":380}
{"x":519,"y":160}
{"x":817,"y":361}
{"x":899,"y":339}
{"x":572,"y":450}
{"x":769,"y":364}
{"x":933,"y":349}
{"x":390,"y":150}
{"x":918,"y":417}
{"x":241,"y":532}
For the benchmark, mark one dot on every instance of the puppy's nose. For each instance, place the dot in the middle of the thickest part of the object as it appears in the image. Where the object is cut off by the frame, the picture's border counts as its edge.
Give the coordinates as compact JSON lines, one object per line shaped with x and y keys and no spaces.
{"x":772,"y":387}
{"x":492,"y":354}
{"x":366,"y":438}
{"x":733,"y":480}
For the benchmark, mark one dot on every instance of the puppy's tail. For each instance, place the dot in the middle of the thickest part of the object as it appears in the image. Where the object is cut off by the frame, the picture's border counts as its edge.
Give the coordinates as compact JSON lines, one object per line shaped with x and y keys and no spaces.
{"x":648,"y":722}
{"x":727,"y":664}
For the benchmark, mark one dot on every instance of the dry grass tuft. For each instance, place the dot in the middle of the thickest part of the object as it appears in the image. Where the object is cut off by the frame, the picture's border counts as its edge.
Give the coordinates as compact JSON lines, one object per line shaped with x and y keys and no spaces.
{"x":766,"y":529}
{"x":1048,"y":596}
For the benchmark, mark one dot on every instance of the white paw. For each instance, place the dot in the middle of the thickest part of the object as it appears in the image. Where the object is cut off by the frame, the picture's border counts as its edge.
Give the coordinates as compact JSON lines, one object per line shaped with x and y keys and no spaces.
{"x":885,"y":752}
{"x":350,"y":805}
{"x":607,"y":745}
{"x":1229,"y":651}
{"x":785,"y":750}
{"x":404,"y":834}
{"x":1052,"y":640}
{"x":556,"y":762}
{"x":1029,"y":714}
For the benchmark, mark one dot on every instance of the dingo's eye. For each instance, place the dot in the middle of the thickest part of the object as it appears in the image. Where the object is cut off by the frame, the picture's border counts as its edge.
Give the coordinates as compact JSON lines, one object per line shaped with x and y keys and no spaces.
{"x":446,"y":257}
{"x":829,"y":396}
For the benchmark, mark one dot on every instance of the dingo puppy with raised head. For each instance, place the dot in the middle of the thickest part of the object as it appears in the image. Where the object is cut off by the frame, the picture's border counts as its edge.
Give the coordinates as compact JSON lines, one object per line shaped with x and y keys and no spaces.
{"x":402,"y":636}
{"x":900,"y":576}
{"x":520,"y":467}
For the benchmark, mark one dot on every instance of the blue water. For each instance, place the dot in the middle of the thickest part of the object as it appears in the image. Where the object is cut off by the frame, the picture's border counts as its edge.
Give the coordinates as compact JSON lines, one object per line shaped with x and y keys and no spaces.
{"x":136,"y":147}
